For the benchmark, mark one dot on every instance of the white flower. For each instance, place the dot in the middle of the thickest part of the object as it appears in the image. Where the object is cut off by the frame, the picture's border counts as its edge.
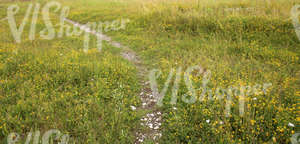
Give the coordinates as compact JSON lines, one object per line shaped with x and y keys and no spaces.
{"x":133,"y":107}
{"x":291,"y":125}
{"x":174,"y":108}
{"x":221,"y":122}
{"x":255,"y":98}
{"x":207,"y":121}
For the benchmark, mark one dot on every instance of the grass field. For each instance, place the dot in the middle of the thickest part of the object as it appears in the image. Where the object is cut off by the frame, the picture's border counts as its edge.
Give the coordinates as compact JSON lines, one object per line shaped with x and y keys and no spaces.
{"x":47,"y":84}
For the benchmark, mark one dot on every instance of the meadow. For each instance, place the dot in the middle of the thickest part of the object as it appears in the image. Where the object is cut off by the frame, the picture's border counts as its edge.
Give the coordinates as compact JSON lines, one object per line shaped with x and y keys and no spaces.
{"x":48,"y":84}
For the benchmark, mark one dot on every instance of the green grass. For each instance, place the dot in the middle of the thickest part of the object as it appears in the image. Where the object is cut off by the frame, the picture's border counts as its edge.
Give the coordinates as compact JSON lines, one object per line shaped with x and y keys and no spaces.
{"x":53,"y":84}
{"x":240,"y":48}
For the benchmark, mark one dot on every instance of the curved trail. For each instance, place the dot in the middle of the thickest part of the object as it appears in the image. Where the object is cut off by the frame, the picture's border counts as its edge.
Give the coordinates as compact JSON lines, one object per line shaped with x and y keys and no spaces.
{"x":152,"y":120}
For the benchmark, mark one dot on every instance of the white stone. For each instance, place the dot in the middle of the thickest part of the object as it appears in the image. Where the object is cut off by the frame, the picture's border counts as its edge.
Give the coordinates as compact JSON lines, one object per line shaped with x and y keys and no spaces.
{"x":291,"y":125}
{"x":133,"y":107}
{"x":207,"y":121}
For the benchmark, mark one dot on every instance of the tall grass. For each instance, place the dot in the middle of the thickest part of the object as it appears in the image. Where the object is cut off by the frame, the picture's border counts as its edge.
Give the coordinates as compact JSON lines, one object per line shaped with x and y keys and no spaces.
{"x":241,"y":47}
{"x":53,"y":84}
{"x":243,"y":43}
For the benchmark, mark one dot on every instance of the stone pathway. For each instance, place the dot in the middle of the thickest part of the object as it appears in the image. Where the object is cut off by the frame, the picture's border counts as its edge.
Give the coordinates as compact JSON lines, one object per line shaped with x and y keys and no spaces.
{"x":152,"y":120}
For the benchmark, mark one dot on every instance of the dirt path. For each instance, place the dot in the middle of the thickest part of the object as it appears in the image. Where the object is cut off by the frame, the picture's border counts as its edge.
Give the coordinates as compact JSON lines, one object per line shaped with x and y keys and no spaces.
{"x":151,"y":122}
